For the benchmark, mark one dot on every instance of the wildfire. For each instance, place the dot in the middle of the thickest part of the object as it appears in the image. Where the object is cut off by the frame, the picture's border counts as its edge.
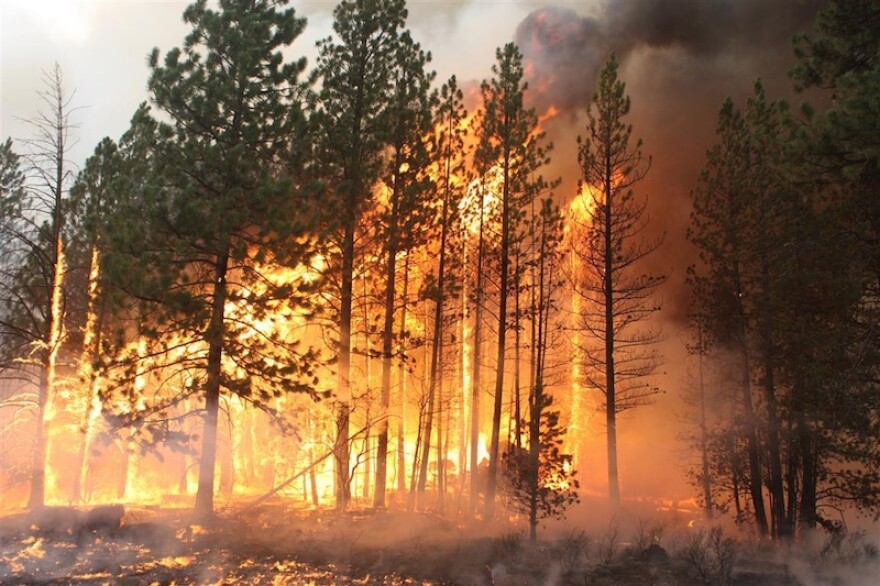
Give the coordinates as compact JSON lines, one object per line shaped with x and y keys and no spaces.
{"x":551,"y":113}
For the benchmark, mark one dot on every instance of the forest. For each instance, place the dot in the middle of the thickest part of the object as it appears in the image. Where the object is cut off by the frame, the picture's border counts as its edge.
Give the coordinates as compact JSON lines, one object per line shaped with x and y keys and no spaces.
{"x":304,"y":306}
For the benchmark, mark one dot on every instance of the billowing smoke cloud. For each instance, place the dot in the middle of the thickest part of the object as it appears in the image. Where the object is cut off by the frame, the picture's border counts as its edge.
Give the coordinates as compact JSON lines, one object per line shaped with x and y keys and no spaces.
{"x":679,"y":59}
{"x":564,"y":50}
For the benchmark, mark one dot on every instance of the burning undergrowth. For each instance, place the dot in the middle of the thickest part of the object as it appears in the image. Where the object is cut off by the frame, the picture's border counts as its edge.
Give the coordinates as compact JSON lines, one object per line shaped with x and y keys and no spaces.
{"x":279,"y":542}
{"x":156,"y":546}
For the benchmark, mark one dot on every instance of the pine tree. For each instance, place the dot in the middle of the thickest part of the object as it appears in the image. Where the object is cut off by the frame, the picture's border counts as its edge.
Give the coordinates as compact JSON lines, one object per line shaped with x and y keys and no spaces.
{"x":720,"y":228}
{"x":351,"y":118}
{"x":616,"y":295}
{"x":540,"y":481}
{"x":540,"y":477}
{"x":510,"y":142}
{"x":404,"y":217}
{"x":219,"y":209}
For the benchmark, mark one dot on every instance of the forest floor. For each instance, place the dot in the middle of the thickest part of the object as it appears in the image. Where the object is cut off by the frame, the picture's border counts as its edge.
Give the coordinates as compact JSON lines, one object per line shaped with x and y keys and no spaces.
{"x":279,"y":543}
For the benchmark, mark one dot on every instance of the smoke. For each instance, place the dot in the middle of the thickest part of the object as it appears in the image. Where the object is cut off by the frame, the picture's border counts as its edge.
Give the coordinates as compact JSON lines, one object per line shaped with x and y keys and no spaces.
{"x":564,"y":49}
{"x":679,"y":59}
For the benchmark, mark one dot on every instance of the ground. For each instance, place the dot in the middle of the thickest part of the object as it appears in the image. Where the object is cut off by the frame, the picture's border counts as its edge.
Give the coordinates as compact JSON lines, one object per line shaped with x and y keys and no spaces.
{"x":280,"y":543}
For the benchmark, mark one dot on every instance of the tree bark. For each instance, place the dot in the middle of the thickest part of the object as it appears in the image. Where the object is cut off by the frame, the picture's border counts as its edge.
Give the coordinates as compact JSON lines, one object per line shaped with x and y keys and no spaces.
{"x":502,"y":338}
{"x":204,"y":506}
{"x":343,"y":412}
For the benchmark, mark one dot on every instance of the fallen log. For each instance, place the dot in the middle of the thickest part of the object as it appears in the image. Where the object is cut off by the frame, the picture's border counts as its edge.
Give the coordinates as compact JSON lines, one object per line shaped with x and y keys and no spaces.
{"x":276,"y":489}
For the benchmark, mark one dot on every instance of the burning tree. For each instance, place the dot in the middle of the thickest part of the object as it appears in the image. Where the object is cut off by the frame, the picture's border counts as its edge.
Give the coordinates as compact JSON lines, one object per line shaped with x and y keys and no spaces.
{"x":32,"y":288}
{"x":94,"y":194}
{"x":440,"y":285}
{"x":540,"y":478}
{"x":511,"y":142}
{"x":615,"y":294}
{"x":404,"y":216}
{"x":218,"y":206}
{"x":352,"y":122}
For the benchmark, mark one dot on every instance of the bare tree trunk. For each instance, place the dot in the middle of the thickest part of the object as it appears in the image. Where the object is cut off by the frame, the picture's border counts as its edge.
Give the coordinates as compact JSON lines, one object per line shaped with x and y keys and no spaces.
{"x":441,"y":453}
{"x":735,"y":476}
{"x":402,"y":375}
{"x":52,"y":149}
{"x":502,"y":339}
{"x":38,"y":463}
{"x":387,"y":343}
{"x":478,"y":360}
{"x":807,"y":508}
{"x":777,"y":499}
{"x":204,"y":506}
{"x":88,"y":376}
{"x":343,"y":413}
{"x":610,"y":372}
{"x":429,"y":424}
{"x":517,"y":413}
{"x":756,"y":484}
{"x":706,"y":480}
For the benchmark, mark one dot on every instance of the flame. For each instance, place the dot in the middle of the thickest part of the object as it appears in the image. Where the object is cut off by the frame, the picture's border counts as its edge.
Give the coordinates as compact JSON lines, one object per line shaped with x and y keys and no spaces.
{"x":54,"y":391}
{"x":481,"y":189}
{"x":551,"y":113}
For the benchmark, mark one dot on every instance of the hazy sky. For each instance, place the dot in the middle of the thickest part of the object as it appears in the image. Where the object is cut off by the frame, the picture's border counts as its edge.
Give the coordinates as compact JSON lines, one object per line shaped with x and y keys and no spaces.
{"x":680,"y":59}
{"x":102,"y":46}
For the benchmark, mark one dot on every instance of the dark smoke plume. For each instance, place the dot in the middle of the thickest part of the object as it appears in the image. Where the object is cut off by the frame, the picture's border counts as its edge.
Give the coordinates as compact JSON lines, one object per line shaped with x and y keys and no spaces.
{"x":565,"y":50}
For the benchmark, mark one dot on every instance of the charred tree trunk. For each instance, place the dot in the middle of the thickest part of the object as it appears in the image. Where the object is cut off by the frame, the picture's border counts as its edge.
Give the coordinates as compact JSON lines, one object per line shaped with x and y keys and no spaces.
{"x":429,"y":424}
{"x":89,"y":378}
{"x":756,"y":484}
{"x":53,"y":126}
{"x":735,"y":475}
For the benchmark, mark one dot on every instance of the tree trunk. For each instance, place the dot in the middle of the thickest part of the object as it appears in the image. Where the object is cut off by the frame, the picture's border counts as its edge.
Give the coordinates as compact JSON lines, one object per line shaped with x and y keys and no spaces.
{"x":706,"y":480}
{"x":441,"y":452}
{"x":610,"y":373}
{"x":502,"y":338}
{"x":387,"y":345}
{"x":343,"y":413}
{"x":402,"y":376}
{"x":204,"y":506}
{"x":88,"y":376}
{"x":429,"y":424}
{"x":477,"y":348}
{"x":536,"y":400}
{"x":38,"y":463}
{"x":755,"y":483}
{"x":735,"y":476}
{"x":517,"y":411}
{"x":807,"y":508}
{"x":777,"y":498}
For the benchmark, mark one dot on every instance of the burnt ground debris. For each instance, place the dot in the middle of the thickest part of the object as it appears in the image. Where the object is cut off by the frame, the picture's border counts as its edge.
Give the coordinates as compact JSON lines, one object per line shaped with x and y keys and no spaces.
{"x":279,"y":543}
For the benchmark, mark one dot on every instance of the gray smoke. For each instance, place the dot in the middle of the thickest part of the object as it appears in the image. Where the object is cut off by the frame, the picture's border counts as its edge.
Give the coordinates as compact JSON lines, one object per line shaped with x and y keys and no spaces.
{"x":564,"y":50}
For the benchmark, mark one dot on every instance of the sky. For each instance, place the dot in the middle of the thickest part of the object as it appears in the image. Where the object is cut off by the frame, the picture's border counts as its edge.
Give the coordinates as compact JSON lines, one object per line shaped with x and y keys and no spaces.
{"x":679,"y":58}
